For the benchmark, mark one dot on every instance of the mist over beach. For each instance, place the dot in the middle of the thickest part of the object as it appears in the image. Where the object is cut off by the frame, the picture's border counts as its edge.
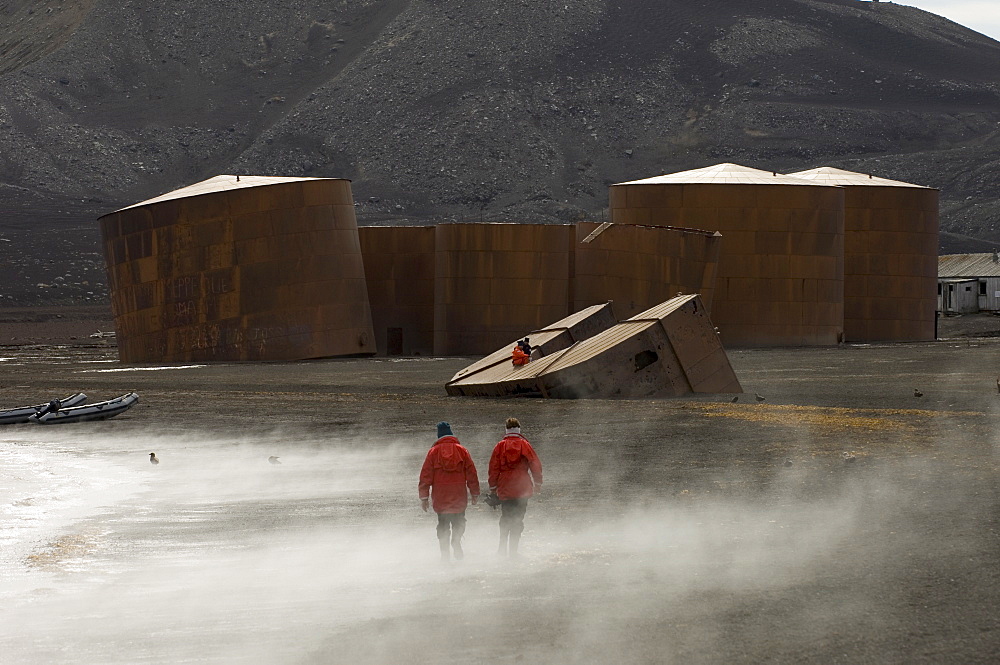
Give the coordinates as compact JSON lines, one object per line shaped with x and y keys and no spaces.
{"x":693,"y":530}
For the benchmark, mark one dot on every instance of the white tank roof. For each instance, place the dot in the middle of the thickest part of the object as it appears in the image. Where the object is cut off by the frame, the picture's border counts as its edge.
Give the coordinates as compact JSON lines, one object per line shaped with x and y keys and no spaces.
{"x":222,"y":183}
{"x":827,"y":175}
{"x":724,"y":174}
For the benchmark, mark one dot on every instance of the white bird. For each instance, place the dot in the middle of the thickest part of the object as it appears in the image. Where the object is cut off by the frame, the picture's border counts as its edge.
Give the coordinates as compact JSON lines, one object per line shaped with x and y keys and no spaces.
{"x":152,"y":459}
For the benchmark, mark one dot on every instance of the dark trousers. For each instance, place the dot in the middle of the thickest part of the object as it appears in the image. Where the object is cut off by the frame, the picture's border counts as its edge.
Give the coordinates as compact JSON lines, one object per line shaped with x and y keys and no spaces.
{"x":511,"y":523}
{"x":453,"y":525}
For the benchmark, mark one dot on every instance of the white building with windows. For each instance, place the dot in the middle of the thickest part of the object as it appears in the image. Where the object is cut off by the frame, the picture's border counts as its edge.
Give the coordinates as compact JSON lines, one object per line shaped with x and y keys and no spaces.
{"x":968,"y":283}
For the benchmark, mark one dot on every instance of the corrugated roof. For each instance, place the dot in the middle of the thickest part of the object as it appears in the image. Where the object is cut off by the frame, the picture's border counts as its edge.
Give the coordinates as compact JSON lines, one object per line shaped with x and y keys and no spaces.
{"x":492,"y":370}
{"x":968,"y":265}
{"x":222,"y":183}
{"x":601,"y":342}
{"x":827,"y":175}
{"x":662,"y":310}
{"x":497,"y":366}
{"x":723,"y":174}
{"x":598,"y":344}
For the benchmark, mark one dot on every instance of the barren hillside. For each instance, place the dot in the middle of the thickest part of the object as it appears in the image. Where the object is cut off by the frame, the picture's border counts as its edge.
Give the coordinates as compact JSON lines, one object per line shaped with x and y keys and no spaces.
{"x":477,"y":109}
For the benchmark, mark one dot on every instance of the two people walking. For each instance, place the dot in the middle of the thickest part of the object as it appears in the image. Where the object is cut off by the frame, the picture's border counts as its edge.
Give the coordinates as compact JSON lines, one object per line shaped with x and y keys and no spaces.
{"x":448,"y":478}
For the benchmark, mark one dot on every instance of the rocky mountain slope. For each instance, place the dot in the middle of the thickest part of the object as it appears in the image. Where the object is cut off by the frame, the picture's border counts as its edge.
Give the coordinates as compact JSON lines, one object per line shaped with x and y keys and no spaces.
{"x":474,"y":109}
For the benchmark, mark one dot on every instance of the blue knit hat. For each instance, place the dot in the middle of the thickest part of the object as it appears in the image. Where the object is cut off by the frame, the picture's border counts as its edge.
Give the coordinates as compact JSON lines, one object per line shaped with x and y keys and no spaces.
{"x":444,"y":429}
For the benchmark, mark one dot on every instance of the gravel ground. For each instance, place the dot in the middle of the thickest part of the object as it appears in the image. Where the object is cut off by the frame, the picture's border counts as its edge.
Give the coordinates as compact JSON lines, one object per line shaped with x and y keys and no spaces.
{"x":66,"y":325}
{"x":840,"y":520}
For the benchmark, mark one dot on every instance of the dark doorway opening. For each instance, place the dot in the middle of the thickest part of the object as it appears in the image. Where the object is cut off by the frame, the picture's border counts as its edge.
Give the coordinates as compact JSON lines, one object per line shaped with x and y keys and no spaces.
{"x":394,"y":341}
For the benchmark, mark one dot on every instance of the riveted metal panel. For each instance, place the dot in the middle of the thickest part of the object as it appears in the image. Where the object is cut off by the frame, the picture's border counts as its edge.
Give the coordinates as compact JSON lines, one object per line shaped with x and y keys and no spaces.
{"x":796,"y":229}
{"x":233,"y":273}
{"x":495,"y":281}
{"x":399,"y":268}
{"x":891,"y":232}
{"x":639,"y":266}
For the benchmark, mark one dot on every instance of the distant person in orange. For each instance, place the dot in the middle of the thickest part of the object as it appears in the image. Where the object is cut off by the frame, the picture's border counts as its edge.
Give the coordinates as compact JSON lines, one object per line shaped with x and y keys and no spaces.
{"x":447,"y":473}
{"x":515,"y":475}
{"x":521,"y":355}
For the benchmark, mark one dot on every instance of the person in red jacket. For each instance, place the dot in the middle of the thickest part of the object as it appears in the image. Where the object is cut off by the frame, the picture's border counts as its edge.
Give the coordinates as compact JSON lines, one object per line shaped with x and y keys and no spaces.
{"x":518,"y":357}
{"x":515,"y":474}
{"x":447,"y":473}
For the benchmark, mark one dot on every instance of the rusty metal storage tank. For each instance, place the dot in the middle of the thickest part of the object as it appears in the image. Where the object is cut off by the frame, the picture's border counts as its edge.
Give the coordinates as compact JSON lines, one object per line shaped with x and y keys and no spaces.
{"x":399,"y":270}
{"x":239,"y":268}
{"x":890,"y":255}
{"x":780,"y":278}
{"x":494,"y":282}
{"x":638,"y":267}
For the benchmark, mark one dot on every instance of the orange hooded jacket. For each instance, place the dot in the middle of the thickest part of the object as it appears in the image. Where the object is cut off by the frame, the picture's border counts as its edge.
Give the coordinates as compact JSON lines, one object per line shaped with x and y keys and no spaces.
{"x":519,"y":357}
{"x":512,"y":460}
{"x":447,"y":471}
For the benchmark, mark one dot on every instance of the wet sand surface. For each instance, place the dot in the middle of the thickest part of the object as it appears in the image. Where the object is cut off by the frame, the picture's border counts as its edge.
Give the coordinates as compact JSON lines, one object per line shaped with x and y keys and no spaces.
{"x":841,"y":520}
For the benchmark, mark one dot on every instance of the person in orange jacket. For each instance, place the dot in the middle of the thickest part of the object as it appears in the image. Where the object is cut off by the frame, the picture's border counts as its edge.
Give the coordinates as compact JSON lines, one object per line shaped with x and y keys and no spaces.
{"x":515,"y":475}
{"x":519,"y":357}
{"x":447,"y":473}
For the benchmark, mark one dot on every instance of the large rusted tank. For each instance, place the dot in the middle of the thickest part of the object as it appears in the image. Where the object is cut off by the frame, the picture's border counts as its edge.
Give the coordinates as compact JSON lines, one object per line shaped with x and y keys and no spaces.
{"x":239,"y":268}
{"x":399,"y":268}
{"x":780,"y":279}
{"x":494,"y":282}
{"x":890,"y":255}
{"x":637,"y":267}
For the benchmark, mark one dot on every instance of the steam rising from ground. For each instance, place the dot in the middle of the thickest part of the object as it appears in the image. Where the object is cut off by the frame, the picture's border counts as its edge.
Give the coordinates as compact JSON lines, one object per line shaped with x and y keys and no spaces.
{"x":217,"y":556}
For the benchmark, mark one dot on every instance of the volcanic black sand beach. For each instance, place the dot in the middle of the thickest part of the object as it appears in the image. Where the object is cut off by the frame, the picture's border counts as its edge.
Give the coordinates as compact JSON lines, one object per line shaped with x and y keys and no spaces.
{"x":841,"y":520}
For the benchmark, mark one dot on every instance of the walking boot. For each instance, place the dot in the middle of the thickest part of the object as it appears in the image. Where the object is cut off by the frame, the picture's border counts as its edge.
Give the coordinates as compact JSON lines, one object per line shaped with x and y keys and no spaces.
{"x":515,"y":539}
{"x":457,"y":531}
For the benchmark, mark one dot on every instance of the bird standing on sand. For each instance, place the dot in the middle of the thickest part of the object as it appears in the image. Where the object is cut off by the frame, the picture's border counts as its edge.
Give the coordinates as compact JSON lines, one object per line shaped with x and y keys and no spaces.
{"x":848,"y":456}
{"x":758,"y":397}
{"x":273,"y":459}
{"x":735,"y":399}
{"x":917,"y":393}
{"x":152,"y":459}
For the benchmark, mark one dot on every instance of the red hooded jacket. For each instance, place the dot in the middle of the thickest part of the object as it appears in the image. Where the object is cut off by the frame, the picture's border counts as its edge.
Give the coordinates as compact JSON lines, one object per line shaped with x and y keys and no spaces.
{"x":512,"y":460}
{"x":519,"y":357}
{"x":448,"y":469}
